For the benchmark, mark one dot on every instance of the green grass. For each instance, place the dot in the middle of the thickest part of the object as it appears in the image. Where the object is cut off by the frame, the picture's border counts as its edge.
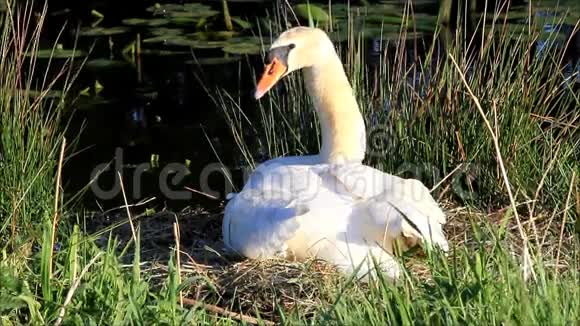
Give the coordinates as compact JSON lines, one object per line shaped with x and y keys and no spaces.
{"x":482,"y":280}
{"x":484,"y":287}
{"x":432,"y":123}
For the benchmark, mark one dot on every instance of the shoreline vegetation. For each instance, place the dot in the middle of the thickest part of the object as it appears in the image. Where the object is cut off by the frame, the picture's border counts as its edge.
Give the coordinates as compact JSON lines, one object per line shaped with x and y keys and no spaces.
{"x":485,"y":110}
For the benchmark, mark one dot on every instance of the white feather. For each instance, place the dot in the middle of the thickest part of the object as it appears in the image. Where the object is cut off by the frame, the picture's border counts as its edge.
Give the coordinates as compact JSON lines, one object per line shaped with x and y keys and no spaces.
{"x":316,"y":211}
{"x":330,"y":205}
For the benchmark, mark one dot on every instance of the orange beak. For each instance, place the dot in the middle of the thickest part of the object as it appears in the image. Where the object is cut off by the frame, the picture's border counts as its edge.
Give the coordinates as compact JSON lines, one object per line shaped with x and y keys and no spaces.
{"x":271,"y":75}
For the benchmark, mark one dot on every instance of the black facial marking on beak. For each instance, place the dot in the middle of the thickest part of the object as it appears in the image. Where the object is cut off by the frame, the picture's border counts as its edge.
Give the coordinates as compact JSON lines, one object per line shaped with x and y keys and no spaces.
{"x":281,"y":53}
{"x":276,"y":67}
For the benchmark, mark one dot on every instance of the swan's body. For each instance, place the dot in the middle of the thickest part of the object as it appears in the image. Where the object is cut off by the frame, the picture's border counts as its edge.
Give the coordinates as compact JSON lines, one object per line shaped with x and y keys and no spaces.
{"x":328,"y":205}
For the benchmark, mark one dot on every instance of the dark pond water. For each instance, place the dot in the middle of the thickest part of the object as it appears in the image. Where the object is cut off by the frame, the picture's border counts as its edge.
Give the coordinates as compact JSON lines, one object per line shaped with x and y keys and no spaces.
{"x":153,"y":112}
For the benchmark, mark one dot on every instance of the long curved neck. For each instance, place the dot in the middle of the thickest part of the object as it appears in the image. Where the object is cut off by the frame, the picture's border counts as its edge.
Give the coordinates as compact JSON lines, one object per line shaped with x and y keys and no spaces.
{"x":342,"y":125}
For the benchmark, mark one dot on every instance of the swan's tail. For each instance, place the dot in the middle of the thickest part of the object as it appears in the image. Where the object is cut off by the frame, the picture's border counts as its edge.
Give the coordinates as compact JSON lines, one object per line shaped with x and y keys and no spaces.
{"x":410,"y":212}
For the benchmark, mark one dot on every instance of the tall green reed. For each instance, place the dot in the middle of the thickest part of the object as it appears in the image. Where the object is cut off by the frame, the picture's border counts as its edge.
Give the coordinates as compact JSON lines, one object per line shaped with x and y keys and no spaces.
{"x":421,"y":122}
{"x":31,"y":132}
{"x":480,"y":283}
{"x":50,"y":271}
{"x":431,"y":119}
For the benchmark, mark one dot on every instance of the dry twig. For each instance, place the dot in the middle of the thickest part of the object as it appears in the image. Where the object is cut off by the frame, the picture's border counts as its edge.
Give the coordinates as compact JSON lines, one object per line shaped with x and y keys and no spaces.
{"x":226,"y":313}
{"x":56,"y":200}
{"x":73,"y":288}
{"x":127,"y":207}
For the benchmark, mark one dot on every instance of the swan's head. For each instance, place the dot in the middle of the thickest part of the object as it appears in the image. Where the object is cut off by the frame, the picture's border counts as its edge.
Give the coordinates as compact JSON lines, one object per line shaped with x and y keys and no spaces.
{"x":294,"y":49}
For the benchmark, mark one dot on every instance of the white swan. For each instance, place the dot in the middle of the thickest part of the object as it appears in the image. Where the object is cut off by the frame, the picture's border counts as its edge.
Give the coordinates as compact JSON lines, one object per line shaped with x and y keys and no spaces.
{"x":328,"y":205}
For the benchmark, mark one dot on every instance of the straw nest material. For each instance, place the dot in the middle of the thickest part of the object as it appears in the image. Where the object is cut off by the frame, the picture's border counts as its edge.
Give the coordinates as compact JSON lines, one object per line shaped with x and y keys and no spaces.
{"x":224,"y":283}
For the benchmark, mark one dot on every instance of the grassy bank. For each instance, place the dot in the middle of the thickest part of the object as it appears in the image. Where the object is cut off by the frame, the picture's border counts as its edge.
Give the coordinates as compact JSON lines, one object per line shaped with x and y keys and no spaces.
{"x":52,"y":272}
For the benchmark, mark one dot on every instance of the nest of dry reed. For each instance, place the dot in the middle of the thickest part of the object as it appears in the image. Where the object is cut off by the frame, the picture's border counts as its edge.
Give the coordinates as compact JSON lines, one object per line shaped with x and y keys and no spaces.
{"x":233,"y":287}
{"x":217,"y":279}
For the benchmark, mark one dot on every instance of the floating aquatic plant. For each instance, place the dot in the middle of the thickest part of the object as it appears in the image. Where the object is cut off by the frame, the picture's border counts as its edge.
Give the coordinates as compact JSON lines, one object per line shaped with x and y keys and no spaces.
{"x":175,"y":7}
{"x":192,"y":14}
{"x":243,"y":48}
{"x":214,"y":35}
{"x":151,"y":22}
{"x":57,"y":53}
{"x":161,"y":31}
{"x":162,"y":38}
{"x":104,"y":63}
{"x":50,"y":94}
{"x":103,"y":31}
{"x":312,"y":12}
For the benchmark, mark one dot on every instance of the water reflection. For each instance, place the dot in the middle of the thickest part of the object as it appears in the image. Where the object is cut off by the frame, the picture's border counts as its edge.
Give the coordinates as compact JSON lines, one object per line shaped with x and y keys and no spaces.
{"x":158,"y":107}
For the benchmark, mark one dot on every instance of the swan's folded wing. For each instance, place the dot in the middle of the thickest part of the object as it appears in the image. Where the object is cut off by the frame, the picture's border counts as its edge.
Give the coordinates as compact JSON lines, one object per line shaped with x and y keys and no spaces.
{"x":408,"y":220}
{"x":257,"y":224}
{"x":365,"y":182}
{"x":404,"y":207}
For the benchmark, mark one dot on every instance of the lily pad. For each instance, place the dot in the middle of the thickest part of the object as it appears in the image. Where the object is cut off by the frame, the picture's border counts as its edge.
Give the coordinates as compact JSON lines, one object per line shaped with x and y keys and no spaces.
{"x":377,"y":33}
{"x":385,"y":9}
{"x":383,"y":19}
{"x":161,"y":39}
{"x":214,"y":36}
{"x":385,"y":26}
{"x":102,"y":63}
{"x":173,"y":7}
{"x":516,"y":31}
{"x":163,"y":53}
{"x":559,"y":19}
{"x":57,"y":53}
{"x":183,"y":13}
{"x":511,"y":15}
{"x":151,"y":22}
{"x":162,"y":31}
{"x":103,"y":31}
{"x":342,"y":10}
{"x":242,"y":23}
{"x":309,"y":10}
{"x":51,"y":94}
{"x":243,"y":48}
{"x":249,"y":39}
{"x":193,"y":14}
{"x":556,"y":8}
{"x":422,"y":22}
{"x":184,"y":20}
